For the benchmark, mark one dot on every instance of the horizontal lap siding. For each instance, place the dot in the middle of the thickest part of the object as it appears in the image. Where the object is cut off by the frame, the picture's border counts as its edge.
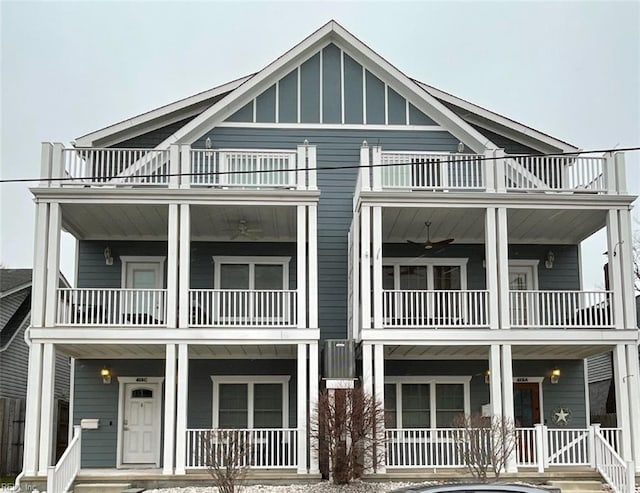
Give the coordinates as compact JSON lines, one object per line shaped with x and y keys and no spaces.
{"x":335,"y":148}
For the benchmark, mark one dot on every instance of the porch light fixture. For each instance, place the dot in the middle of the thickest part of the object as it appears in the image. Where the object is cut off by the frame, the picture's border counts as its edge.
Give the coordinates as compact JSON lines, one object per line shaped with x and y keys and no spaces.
{"x":207,"y":143}
{"x":549,"y":260}
{"x":460,"y":147}
{"x":105,"y":373}
{"x":108,"y":259}
{"x":555,"y":375}
{"x":487,"y":376}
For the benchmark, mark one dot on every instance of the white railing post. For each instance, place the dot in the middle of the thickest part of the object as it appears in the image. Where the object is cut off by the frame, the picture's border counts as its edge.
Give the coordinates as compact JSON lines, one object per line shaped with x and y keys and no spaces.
{"x":301,"y":164}
{"x":500,"y":171}
{"x":185,"y":166}
{"x":620,"y":173}
{"x":45,"y":163}
{"x":174,"y":166}
{"x":541,"y":449}
{"x":489,"y":167}
{"x":594,"y":430}
{"x":377,"y":169}
{"x":631,"y":477}
{"x":312,"y":168}
{"x":364,"y":167}
{"x":57,"y":165}
{"x":609,"y":173}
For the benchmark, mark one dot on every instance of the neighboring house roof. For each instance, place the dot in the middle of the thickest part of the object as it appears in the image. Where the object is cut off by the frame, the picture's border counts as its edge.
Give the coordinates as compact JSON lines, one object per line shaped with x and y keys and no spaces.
{"x":12,"y":280}
{"x":207,"y":108}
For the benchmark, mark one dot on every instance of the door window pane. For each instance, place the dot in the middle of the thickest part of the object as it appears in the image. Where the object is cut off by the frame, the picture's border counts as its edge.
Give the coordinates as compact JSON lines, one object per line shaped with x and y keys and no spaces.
{"x":268,"y":277}
{"x":267,"y":405}
{"x":234,"y":276}
{"x":390,"y":418}
{"x":446,"y":277}
{"x":415,"y":406}
{"x":144,"y":279}
{"x":449,"y":403}
{"x":387,"y":277}
{"x":233,"y":405}
{"x":413,"y":277}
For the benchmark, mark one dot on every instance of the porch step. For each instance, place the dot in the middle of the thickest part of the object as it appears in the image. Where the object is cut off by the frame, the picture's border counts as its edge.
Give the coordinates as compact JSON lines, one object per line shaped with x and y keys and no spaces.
{"x":101,"y":487}
{"x":577,"y":486}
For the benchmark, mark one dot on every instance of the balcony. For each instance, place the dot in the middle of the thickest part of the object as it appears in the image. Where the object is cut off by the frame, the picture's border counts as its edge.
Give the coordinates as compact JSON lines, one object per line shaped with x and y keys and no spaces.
{"x":182,"y":167}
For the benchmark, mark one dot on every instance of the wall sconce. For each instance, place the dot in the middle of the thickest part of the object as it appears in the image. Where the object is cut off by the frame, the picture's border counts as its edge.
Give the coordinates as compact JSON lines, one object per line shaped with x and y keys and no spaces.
{"x":555,"y":375}
{"x":460,"y":147}
{"x":108,"y":259}
{"x":487,"y":376}
{"x":105,"y":373}
{"x":548,"y":261}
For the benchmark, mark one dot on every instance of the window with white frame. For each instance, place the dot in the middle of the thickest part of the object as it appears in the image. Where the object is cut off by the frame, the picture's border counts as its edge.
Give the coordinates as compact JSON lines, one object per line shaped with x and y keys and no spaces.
{"x":251,"y":273}
{"x":424,"y":274}
{"x":250,"y":402}
{"x":419,"y":402}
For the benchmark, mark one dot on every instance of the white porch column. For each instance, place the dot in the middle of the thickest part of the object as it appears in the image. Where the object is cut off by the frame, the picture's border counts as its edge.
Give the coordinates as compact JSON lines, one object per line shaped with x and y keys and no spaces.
{"x":502,"y":244}
{"x":46,"y":413}
{"x":39,"y":276}
{"x":365,"y":266}
{"x":32,"y":412}
{"x":174,"y":166}
{"x":615,"y":281}
{"x":378,"y":372}
{"x":377,"y":267}
{"x":491,"y":266}
{"x":312,"y":175}
{"x":495,"y":380}
{"x":506,"y":364}
{"x":53,"y":264}
{"x":490,"y":170}
{"x":169,"y":409}
{"x":184,"y":273}
{"x":620,"y":377}
{"x":173,"y":241}
{"x":314,"y":378}
{"x":633,"y":385}
{"x":365,"y":171}
{"x":376,"y":170}
{"x":302,"y":408}
{"x":185,"y":167}
{"x":626,"y":264}
{"x":500,"y":170}
{"x":182,"y":407}
{"x":301,"y":263}
{"x":312,"y":229}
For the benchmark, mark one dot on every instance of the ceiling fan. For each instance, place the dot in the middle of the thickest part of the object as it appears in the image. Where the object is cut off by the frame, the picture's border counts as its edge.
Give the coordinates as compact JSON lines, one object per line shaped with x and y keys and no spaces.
{"x":428,"y":245}
{"x":244,"y":231}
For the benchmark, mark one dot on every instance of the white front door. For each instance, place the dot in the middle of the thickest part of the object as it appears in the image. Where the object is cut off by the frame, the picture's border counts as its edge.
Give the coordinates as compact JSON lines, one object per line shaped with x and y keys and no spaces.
{"x":141,"y":423}
{"x":522,"y":278}
{"x":144,"y":304}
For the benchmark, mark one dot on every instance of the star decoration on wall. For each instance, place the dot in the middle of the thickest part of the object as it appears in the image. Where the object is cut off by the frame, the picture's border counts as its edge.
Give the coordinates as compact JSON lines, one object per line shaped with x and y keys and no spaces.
{"x":561,"y":416}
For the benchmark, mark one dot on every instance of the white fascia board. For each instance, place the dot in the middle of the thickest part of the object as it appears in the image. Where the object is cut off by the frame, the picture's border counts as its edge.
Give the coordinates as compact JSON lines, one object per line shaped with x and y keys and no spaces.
{"x":533,"y":136}
{"x":158,"y":113}
{"x":330,"y":32}
{"x":16,"y":289}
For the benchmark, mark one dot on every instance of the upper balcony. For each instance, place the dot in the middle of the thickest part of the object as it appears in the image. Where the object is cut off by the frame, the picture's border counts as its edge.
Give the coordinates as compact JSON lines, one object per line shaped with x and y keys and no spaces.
{"x":495,"y":171}
{"x":180,"y":166}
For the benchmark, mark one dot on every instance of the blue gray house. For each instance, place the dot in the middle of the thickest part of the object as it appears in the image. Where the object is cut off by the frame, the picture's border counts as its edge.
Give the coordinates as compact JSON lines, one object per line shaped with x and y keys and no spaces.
{"x":224,"y":237}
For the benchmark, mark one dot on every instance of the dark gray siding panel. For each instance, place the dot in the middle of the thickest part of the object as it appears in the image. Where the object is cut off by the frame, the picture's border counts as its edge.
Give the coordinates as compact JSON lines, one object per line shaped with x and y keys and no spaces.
{"x":310,"y":90}
{"x":397,"y":112}
{"x":335,"y":148}
{"x":417,"y":117}
{"x":244,"y":114}
{"x":93,"y":399}
{"x":200,"y":408}
{"x":352,"y":90}
{"x":288,"y":98}
{"x":375,"y":100}
{"x":510,"y":146}
{"x":151,"y":139}
{"x":600,"y":367}
{"x":266,"y":106}
{"x":331,"y":102}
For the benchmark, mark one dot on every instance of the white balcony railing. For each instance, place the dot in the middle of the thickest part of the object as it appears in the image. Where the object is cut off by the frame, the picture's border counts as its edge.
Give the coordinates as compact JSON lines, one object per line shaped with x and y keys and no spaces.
{"x":431,"y":171}
{"x":561,"y":309}
{"x":425,"y":447}
{"x":435,"y":308}
{"x":111,"y":307}
{"x":618,"y":473}
{"x":244,"y":169}
{"x":256,"y":448}
{"x":556,"y":173}
{"x":113,"y":167}
{"x":243,"y":308}
{"x":61,"y":476}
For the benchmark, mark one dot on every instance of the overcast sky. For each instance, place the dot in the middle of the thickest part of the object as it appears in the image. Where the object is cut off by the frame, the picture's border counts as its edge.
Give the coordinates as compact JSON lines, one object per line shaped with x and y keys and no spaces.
{"x":570,"y":69}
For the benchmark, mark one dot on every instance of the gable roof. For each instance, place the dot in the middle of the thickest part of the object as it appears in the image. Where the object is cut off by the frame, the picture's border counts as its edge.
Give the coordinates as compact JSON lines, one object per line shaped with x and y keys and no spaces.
{"x":208,"y":107}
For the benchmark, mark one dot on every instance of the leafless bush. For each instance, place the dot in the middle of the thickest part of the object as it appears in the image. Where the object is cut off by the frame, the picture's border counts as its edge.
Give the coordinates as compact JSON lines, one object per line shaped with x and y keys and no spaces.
{"x":227,"y":455}
{"x":485,"y":443}
{"x":348,"y":429}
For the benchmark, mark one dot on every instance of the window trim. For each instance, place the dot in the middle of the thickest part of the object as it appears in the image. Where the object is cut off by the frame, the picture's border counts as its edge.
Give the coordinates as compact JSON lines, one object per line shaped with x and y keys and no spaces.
{"x":251,"y":261}
{"x":250,"y":381}
{"x":432,"y":381}
{"x":430,"y":263}
{"x":157,"y":260}
{"x":528,"y":266}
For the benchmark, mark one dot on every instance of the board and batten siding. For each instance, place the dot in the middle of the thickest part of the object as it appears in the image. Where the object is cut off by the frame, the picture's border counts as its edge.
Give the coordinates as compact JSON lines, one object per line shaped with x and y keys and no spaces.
{"x":335,"y":148}
{"x":600,"y":367}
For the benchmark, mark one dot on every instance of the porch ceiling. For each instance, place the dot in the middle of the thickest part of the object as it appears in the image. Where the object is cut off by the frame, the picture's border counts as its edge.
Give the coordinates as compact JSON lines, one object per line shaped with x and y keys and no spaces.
{"x":543,"y":351}
{"x":150,"y":221}
{"x":525,"y":226}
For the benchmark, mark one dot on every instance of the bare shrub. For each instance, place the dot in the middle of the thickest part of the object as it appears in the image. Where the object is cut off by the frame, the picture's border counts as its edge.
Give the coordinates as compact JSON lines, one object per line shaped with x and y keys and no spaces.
{"x":485,"y":443}
{"x":348,"y":427}
{"x":227,"y":455}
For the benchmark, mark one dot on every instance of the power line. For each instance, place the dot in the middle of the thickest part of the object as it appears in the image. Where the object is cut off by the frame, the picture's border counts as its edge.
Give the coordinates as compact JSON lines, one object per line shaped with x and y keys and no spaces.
{"x":469,"y":157}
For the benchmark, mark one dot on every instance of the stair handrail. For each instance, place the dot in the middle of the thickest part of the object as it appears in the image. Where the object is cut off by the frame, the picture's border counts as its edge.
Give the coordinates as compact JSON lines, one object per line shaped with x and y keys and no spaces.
{"x":618,"y":473}
{"x":61,"y":476}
